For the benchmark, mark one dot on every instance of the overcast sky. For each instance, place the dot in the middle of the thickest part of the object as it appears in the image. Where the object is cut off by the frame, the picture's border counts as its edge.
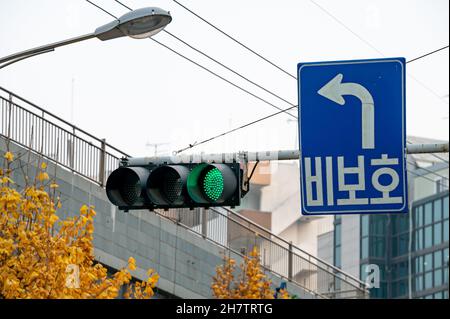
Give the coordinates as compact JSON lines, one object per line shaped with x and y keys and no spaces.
{"x":134,"y":92}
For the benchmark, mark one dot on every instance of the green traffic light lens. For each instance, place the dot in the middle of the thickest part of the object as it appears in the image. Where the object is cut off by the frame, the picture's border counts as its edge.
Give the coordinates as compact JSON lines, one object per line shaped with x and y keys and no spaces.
{"x":213,"y":184}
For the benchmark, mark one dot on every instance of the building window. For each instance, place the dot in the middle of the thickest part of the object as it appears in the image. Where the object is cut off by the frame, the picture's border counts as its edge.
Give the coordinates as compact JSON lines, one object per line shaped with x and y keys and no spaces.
{"x":437,"y":210}
{"x":419,"y":216}
{"x":402,"y":288}
{"x":419,"y":239}
{"x":403,"y":247}
{"x":429,"y":280}
{"x":441,"y":184}
{"x":419,"y":283}
{"x":446,"y":275}
{"x":428,"y":263}
{"x":445,"y":207}
{"x":428,"y":236}
{"x":418,"y":264}
{"x":438,"y":295}
{"x":438,"y":278}
{"x":438,"y":259}
{"x":428,"y":213}
{"x":378,"y":225}
{"x":377,"y":247}
{"x":364,"y":225}
{"x":365,"y":248}
{"x":437,"y":233}
{"x":446,"y":230}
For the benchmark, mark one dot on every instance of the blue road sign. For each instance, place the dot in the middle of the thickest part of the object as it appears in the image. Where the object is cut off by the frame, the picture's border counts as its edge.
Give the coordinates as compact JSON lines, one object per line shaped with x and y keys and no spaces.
{"x":352,"y":136}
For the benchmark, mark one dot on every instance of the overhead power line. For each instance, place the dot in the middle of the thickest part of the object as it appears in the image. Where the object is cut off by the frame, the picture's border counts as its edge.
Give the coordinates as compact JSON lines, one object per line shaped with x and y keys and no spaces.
{"x":122,"y":4}
{"x":427,"y":54}
{"x":252,"y":122}
{"x":223,"y":79}
{"x":232,"y":130}
{"x":374,"y":48}
{"x":274,"y":114}
{"x":228,"y":68}
{"x":235,"y":40}
{"x":346,"y":27}
{"x":224,"y":66}
{"x":107,"y":12}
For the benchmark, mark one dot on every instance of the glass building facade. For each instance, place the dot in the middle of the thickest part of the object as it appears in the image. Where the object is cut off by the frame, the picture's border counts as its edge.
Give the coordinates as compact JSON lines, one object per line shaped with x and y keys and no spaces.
{"x":411,"y":250}
{"x":430,"y":257}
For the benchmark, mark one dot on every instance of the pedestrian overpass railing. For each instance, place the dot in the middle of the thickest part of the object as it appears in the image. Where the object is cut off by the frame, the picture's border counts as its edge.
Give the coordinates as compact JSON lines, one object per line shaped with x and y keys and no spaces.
{"x":46,"y":134}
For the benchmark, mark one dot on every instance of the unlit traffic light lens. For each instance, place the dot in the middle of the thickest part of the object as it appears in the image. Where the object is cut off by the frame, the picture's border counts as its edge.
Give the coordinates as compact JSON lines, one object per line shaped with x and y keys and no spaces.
{"x":172,"y":186}
{"x":130,"y":189}
{"x":124,"y":185}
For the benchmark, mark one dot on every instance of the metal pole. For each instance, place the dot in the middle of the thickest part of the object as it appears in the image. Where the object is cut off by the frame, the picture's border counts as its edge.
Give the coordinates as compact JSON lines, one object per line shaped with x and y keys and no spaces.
{"x":102,"y":163}
{"x":282,"y":155}
{"x":290,"y":262}
{"x":43,"y":49}
{"x":427,"y":148}
{"x":204,"y":215}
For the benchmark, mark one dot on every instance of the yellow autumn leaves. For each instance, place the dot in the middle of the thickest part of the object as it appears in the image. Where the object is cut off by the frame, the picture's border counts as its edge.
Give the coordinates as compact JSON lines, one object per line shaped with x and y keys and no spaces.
{"x":39,"y":250}
{"x":250,"y":284}
{"x":9,"y":156}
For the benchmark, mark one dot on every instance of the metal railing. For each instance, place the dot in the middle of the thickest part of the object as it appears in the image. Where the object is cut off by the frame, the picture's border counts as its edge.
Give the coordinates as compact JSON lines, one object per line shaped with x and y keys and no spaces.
{"x":56,"y":139}
{"x":232,"y":231}
{"x":86,"y":155}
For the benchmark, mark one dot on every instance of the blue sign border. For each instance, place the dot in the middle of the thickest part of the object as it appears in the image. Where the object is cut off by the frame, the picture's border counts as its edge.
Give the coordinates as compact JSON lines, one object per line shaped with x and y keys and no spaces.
{"x":402,"y":210}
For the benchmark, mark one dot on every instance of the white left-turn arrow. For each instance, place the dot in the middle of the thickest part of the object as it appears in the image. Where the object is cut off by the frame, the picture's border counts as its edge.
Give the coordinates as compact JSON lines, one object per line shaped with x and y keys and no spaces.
{"x":334,"y":91}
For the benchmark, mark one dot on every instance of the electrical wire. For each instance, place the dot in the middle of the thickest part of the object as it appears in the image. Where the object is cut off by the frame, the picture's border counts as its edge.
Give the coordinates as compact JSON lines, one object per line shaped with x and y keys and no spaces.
{"x":107,"y":12}
{"x":251,"y":174}
{"x":224,"y":79}
{"x":228,"y":68}
{"x":235,"y":40}
{"x":246,"y":91}
{"x":221,"y":64}
{"x":274,"y":114}
{"x":346,"y":27}
{"x":378,"y":51}
{"x":123,"y":5}
{"x":232,"y":130}
{"x":427,"y":54}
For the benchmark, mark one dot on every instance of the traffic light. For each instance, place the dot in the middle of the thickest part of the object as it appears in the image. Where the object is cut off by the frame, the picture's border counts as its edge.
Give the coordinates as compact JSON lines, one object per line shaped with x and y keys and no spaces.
{"x":166,"y":186}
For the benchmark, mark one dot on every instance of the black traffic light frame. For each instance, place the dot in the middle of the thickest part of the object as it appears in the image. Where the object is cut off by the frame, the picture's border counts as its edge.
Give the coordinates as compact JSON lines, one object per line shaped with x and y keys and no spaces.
{"x":149,"y":186}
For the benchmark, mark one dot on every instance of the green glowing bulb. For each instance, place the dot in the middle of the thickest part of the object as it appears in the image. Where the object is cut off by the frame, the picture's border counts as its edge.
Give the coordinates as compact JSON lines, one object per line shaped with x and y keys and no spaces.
{"x":213,"y":184}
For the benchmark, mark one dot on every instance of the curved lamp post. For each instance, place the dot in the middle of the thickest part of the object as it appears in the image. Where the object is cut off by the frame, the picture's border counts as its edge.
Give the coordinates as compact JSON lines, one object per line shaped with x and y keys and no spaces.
{"x":137,"y":24}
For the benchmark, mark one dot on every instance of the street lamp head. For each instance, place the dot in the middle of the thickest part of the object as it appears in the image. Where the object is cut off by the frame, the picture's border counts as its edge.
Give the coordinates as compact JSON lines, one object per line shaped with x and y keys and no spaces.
{"x":137,"y":24}
{"x":145,"y":22}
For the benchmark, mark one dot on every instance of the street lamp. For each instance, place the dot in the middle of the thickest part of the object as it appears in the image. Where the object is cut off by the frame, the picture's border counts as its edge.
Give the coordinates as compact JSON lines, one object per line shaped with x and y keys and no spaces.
{"x":137,"y":24}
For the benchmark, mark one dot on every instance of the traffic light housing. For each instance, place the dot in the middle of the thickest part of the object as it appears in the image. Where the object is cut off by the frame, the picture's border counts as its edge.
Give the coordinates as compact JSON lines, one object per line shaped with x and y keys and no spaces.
{"x":163,"y":186}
